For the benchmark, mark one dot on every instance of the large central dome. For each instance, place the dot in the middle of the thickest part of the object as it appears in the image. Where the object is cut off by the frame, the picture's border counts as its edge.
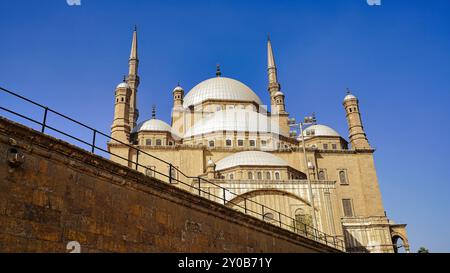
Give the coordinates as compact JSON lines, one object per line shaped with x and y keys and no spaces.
{"x":220,"y":88}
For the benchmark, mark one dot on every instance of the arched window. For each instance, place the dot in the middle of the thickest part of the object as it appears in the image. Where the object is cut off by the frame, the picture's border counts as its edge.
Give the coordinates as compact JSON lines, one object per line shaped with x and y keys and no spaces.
{"x":148,"y":142}
{"x":231,"y":176}
{"x":228,"y":142}
{"x":259,"y":174}
{"x":343,"y":177}
{"x":268,"y":176}
{"x":268,"y":217}
{"x":211,"y":143}
{"x":322,"y":175}
{"x":158,"y":142}
{"x":252,"y":143}
{"x":250,"y":175}
{"x":277,"y":176}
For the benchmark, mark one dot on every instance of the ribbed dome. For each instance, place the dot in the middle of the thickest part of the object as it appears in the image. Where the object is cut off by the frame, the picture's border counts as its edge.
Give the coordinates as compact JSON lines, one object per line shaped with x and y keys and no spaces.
{"x":239,"y":120}
{"x":250,"y":158}
{"x":220,"y":88}
{"x":319,"y":130}
{"x":153,"y":125}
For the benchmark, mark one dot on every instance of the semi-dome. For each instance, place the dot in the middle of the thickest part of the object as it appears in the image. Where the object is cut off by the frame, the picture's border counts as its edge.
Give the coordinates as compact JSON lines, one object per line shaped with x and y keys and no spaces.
{"x":250,"y":158}
{"x":123,"y":85}
{"x":153,"y":125}
{"x":320,"y":130}
{"x":234,"y":120}
{"x":220,"y":88}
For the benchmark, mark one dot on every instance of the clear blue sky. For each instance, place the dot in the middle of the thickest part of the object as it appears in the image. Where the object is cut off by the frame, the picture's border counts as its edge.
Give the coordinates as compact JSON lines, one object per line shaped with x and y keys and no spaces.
{"x":395,"y":57}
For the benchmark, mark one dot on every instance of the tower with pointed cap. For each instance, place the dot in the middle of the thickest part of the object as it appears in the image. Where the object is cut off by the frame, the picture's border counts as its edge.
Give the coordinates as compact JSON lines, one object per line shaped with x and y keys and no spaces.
{"x":357,"y":135}
{"x":277,"y":98}
{"x":133,"y":79}
{"x":274,"y":86}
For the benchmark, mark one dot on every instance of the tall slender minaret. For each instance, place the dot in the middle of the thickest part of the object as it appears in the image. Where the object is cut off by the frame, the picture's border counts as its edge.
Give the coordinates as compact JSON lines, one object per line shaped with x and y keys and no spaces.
{"x":274,"y":86}
{"x":277,"y":99}
{"x":357,"y":136}
{"x":133,"y":79}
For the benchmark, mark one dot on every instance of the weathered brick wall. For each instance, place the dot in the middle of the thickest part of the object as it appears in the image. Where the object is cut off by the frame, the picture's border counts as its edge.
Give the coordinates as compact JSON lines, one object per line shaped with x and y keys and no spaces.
{"x":61,"y":193}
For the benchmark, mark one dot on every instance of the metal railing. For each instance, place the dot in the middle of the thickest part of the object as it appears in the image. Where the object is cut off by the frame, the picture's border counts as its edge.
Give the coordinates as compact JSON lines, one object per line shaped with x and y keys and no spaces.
{"x":172,"y":175}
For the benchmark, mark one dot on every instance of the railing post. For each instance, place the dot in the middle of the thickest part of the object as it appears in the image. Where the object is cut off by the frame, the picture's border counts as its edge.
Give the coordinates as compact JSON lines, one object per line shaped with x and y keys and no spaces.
{"x":93,"y":141}
{"x":44,"y":122}
{"x":245,"y":205}
{"x":334,"y":241}
{"x":224,"y":197}
{"x":262,"y":214}
{"x":137,"y":159}
{"x":306,"y":230}
{"x":170,"y":173}
{"x":279,"y":218}
{"x":199,"y":186}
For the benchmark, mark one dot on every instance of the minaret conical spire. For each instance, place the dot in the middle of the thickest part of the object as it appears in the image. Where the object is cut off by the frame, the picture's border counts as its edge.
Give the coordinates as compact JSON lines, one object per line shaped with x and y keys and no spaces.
{"x":134,"y":45}
{"x":271,"y":65}
{"x":133,"y":79}
{"x":274,"y":86}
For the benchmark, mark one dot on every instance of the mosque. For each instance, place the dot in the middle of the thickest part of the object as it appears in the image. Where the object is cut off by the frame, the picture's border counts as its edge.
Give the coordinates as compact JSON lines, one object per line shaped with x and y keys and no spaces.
{"x":222,"y":132}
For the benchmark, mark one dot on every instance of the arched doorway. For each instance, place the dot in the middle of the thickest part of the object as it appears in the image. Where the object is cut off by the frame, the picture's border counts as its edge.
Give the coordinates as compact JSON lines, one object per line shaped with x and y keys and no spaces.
{"x":277,"y":207}
{"x":399,"y":244}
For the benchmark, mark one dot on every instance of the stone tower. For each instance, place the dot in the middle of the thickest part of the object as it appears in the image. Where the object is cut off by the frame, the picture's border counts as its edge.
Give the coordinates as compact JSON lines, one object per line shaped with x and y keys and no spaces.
{"x":277,"y":106}
{"x":120,"y":129}
{"x":178,"y":95}
{"x":280,"y":107}
{"x":133,"y":80}
{"x":357,"y":136}
{"x":178,"y":113}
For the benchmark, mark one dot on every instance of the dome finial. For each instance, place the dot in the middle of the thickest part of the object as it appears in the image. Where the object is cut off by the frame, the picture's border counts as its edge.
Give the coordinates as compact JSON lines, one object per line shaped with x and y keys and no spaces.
{"x":154,"y":111}
{"x":124,"y":78}
{"x":348,"y":91}
{"x":218,"y":72}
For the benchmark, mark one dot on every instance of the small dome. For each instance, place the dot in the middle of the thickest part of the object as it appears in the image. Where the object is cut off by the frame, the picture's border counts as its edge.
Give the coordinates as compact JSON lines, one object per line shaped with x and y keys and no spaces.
{"x":178,"y":88}
{"x":279,"y":93}
{"x":123,"y":85}
{"x":350,"y":97}
{"x":319,"y":130}
{"x":250,"y":158}
{"x":153,"y":125}
{"x":220,"y":88}
{"x":234,"y":120}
